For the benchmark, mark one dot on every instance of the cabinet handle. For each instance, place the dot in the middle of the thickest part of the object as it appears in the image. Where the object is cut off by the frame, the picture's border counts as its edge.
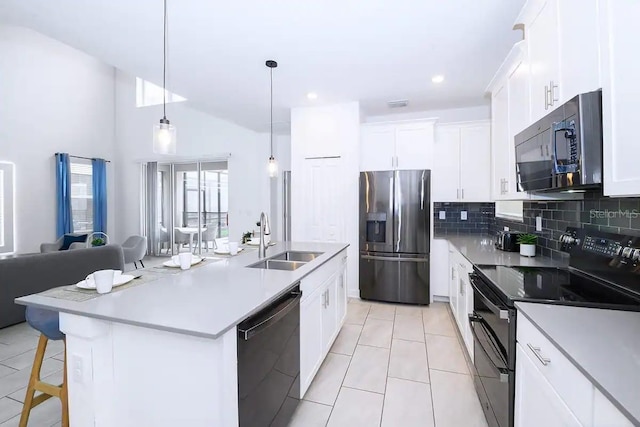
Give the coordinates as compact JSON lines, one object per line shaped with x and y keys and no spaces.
{"x":547,"y":148}
{"x":546,"y":97}
{"x":462,"y":192}
{"x":541,"y":151}
{"x":536,"y":352}
{"x":452,"y":273}
{"x":506,"y":186}
{"x":457,"y":193}
{"x":552,"y":93}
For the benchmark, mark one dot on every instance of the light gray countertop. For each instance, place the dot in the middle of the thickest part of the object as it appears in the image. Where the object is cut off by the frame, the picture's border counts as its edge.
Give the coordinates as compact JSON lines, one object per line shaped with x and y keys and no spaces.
{"x":480,"y":250}
{"x":603,"y":344}
{"x":205,"y":301}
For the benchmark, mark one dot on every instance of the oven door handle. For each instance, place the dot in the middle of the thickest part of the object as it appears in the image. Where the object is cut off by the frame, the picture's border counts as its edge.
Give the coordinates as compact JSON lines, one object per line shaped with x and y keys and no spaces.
{"x":503,"y":372}
{"x":501,"y":313}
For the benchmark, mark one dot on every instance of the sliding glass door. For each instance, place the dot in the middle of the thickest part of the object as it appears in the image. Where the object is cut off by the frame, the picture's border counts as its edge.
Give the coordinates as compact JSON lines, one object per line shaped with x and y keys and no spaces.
{"x":191,"y":207}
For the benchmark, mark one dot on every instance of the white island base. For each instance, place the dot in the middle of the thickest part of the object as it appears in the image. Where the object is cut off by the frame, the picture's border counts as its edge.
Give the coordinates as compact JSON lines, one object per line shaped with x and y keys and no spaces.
{"x":123,"y":375}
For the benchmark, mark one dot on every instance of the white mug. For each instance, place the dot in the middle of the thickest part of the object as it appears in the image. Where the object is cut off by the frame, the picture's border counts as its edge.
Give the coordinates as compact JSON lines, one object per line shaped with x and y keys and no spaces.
{"x":185,"y":260}
{"x":103,"y":280}
{"x":233,"y":248}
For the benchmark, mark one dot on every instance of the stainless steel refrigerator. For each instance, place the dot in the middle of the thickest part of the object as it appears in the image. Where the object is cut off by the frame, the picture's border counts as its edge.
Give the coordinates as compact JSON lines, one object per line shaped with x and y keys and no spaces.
{"x":395,"y":215}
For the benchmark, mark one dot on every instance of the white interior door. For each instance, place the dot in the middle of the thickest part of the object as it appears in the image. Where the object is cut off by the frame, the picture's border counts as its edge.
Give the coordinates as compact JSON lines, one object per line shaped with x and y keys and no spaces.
{"x":325,"y":193}
{"x":475,"y":162}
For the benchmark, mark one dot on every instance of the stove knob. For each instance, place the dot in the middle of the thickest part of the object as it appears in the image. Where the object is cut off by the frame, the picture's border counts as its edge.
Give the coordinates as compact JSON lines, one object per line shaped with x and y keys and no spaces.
{"x":627,"y":252}
{"x":619,"y":250}
{"x":636,"y":254}
{"x":563,"y":238}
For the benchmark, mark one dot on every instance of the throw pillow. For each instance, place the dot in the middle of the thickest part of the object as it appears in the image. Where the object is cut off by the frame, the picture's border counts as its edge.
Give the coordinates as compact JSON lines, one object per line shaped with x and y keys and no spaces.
{"x":70,"y":238}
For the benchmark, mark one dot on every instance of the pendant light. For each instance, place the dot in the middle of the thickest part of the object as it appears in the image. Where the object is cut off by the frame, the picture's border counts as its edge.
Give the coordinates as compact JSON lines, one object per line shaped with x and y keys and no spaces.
{"x":272,"y":166}
{"x":164,"y":133}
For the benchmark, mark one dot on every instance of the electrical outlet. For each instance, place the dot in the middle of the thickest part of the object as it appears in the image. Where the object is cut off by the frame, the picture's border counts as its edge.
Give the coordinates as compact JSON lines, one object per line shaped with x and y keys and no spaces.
{"x":463,"y":215}
{"x":538,"y":223}
{"x":506,"y":228}
{"x":443,"y":215}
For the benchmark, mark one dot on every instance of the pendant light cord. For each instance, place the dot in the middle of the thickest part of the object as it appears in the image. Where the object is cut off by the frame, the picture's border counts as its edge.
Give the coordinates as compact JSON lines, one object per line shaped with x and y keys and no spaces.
{"x":164,"y":62}
{"x":271,"y":122}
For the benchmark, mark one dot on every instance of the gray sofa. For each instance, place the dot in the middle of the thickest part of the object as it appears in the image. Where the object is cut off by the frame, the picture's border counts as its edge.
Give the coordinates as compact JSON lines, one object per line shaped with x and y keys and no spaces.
{"x":30,"y":274}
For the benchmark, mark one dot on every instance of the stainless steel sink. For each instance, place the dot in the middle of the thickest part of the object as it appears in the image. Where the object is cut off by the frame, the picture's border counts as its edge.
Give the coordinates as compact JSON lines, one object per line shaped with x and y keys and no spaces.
{"x":275,"y":264}
{"x":297,"y":256}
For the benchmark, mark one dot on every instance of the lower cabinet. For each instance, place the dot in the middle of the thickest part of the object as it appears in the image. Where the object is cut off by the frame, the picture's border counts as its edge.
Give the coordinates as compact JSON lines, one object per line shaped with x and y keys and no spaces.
{"x":551,"y":391}
{"x":322,"y":314}
{"x":461,"y":295}
{"x":537,"y":404}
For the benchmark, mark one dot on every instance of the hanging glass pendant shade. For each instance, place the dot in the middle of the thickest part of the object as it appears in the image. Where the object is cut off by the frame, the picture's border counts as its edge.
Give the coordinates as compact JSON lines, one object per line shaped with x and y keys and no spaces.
{"x":164,"y":137}
{"x":164,"y":133}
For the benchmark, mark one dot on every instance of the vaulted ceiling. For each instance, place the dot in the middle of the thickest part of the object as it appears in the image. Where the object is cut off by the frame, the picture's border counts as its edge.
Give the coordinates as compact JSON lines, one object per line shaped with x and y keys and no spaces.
{"x":372,"y":51}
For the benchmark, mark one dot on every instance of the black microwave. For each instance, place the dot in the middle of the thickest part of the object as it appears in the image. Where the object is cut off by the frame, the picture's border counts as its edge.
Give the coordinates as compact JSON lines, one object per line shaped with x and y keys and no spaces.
{"x":563,"y":150}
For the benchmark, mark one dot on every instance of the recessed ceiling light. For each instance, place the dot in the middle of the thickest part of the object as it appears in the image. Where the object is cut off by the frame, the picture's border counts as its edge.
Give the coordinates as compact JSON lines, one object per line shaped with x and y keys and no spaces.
{"x":312,"y":95}
{"x":437,"y":79}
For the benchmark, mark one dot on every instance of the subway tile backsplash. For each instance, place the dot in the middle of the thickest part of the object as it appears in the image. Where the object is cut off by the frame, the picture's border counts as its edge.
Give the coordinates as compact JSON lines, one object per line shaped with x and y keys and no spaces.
{"x":479,"y":218}
{"x":605,"y":214}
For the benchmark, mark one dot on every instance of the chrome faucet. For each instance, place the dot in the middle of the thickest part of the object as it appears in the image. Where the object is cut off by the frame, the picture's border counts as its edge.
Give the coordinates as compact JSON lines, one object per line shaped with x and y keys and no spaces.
{"x":265,"y":230}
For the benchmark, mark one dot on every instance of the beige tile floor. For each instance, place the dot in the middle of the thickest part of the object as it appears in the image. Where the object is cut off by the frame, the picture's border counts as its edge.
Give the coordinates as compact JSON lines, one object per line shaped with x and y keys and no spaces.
{"x":391,"y":366}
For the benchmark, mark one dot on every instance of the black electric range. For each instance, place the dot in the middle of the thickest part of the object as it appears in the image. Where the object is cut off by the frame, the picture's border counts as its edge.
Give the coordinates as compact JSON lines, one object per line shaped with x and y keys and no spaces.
{"x":603,"y":272}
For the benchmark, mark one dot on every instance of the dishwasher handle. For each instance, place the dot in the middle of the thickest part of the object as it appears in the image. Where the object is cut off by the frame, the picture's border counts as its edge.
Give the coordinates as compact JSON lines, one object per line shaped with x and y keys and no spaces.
{"x":261,"y":321}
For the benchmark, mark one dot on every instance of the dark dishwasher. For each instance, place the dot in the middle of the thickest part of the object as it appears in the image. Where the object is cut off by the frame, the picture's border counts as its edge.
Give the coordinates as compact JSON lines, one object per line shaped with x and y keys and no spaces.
{"x":269,"y":363}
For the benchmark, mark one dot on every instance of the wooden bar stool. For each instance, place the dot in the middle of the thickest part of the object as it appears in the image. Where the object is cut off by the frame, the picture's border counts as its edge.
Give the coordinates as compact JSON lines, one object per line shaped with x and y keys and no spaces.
{"x":47,"y":322}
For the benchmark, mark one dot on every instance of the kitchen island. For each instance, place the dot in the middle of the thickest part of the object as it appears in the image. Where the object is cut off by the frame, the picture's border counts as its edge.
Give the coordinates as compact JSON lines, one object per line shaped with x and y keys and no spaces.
{"x":164,"y":353}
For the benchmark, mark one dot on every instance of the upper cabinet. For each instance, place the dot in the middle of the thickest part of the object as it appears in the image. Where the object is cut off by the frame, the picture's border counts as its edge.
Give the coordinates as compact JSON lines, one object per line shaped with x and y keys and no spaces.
{"x":463,"y":168}
{"x":543,"y":37}
{"x":404,"y":146}
{"x":620,"y":93}
{"x":563,"y":53}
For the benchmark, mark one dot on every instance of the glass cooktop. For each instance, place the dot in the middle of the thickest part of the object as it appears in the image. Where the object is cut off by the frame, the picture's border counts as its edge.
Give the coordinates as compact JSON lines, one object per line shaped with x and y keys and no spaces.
{"x":555,"y":285}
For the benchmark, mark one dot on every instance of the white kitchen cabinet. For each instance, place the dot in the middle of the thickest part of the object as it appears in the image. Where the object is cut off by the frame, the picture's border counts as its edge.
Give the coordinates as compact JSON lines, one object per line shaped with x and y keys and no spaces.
{"x":605,"y":414}
{"x":377,"y":148}
{"x":311,"y":345}
{"x":463,"y":170}
{"x":329,"y":313}
{"x":402,"y":146}
{"x":475,"y":162}
{"x":439,"y":269}
{"x":323,"y":309}
{"x":579,"y":47}
{"x":341,"y":297}
{"x":544,"y":56}
{"x":445,"y":176}
{"x":453,"y":281}
{"x":536,"y":402}
{"x":499,"y":140}
{"x":619,"y":35}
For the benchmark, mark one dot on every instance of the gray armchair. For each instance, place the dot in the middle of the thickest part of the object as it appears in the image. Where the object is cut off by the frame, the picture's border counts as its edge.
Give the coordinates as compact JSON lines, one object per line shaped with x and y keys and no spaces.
{"x":134,"y":248}
{"x":55,"y":247}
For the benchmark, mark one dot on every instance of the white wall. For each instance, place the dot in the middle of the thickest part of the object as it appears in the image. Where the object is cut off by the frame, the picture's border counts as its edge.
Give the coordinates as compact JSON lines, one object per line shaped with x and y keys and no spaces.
{"x":199,"y":136}
{"x":481,"y":112}
{"x":53,"y":98}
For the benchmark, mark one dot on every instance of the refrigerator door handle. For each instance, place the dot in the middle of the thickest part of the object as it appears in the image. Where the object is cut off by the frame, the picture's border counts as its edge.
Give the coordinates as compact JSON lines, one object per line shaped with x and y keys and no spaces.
{"x":388,"y":258}
{"x":422,"y":192}
{"x":397,"y":210}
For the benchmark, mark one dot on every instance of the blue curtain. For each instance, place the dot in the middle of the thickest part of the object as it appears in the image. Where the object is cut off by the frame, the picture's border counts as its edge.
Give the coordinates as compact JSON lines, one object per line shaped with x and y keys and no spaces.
{"x":99,"y":195}
{"x":64,"y":222}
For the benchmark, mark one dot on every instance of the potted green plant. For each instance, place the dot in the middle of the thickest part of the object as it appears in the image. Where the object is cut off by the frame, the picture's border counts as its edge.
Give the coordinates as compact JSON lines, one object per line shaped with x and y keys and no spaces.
{"x":97,"y":242}
{"x":527,"y":242}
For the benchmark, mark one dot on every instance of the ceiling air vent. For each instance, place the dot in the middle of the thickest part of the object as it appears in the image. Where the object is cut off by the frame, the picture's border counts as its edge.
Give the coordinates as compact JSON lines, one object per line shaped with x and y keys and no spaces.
{"x":401,"y":103}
